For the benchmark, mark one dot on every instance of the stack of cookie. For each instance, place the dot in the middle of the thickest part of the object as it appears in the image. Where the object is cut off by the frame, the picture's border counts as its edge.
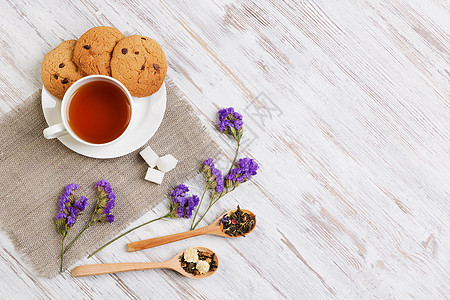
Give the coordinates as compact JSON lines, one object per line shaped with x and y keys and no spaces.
{"x":136,"y":61}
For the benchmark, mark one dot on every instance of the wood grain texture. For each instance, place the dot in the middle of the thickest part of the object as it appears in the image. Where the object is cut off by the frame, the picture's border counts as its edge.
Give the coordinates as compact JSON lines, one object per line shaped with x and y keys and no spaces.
{"x":346,"y":108}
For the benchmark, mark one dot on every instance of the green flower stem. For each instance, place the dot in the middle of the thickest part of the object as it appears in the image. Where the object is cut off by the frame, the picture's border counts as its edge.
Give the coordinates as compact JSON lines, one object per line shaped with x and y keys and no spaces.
{"x":211,"y":203}
{"x":209,"y":207}
{"x":79,"y":234}
{"x":62,"y":252}
{"x":235,"y":155}
{"x":125,"y":233}
{"x":199,"y":204}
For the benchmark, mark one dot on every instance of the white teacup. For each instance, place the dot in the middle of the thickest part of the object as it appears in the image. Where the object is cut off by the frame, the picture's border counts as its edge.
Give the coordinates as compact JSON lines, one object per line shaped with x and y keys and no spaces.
{"x":63,"y":128}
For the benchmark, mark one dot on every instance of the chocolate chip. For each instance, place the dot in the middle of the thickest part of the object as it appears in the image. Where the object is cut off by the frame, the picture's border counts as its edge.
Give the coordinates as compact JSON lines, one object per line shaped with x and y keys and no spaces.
{"x":143,"y":39}
{"x":64,"y":81}
{"x":143,"y":67}
{"x":137,"y":52}
{"x":61,"y":65}
{"x":87,"y":47}
{"x":55,"y":76}
{"x":156,"y":67}
{"x":124,"y":51}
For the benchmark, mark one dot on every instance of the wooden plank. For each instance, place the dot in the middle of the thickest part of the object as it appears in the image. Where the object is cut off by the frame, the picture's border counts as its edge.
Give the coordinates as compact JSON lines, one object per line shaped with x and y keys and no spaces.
{"x":346,"y":108}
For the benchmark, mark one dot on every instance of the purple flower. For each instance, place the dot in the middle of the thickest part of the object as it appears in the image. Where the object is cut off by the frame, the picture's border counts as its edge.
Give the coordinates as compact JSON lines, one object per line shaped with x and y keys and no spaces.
{"x":182,"y":205}
{"x":213,"y":176}
{"x":109,"y":218}
{"x":180,"y":212}
{"x":246,"y":168}
{"x":216,"y":172}
{"x":181,"y":200}
{"x":69,"y":208}
{"x":188,"y":212}
{"x":180,"y":190}
{"x":74,"y":212}
{"x":60,"y":215}
{"x":111,"y":195}
{"x":230,"y":121}
{"x":235,"y":175}
{"x":105,"y":202}
{"x":64,"y":198}
{"x":61,"y":205}
{"x":224,"y":219}
{"x":192,"y":203}
{"x":81,"y":203}
{"x":194,"y":200}
{"x":218,"y":180}
{"x":249,"y":167}
{"x":110,"y":205}
{"x":209,"y":162}
{"x":102,"y":183}
{"x":238,"y":124}
{"x":70,"y":221}
{"x":68,"y":190}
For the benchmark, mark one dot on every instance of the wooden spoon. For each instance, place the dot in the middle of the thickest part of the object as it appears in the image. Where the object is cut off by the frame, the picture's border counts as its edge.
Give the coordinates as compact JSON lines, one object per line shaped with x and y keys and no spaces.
{"x":214,"y":229}
{"x":173,"y":263}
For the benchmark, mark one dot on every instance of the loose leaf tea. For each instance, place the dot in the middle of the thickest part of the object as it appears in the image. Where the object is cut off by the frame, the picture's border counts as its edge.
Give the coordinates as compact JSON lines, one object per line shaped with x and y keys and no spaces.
{"x":198,"y":262}
{"x":238,"y":223}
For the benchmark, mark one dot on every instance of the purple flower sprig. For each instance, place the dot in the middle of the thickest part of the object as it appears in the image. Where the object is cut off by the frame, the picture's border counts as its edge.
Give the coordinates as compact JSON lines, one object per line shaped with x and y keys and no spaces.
{"x":214,"y":181}
{"x":106,"y":200}
{"x":231,"y":123}
{"x":69,"y":208}
{"x":213,"y":177}
{"x":181,"y":206}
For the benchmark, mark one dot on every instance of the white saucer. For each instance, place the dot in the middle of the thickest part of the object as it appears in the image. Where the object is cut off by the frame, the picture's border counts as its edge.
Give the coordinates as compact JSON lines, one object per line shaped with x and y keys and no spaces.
{"x":148,"y":113}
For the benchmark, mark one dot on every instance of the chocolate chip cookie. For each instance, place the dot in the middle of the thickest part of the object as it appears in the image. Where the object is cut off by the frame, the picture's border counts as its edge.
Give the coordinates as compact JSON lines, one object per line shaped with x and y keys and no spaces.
{"x":93,"y":50}
{"x":140,"y":64}
{"x":58,"y":71}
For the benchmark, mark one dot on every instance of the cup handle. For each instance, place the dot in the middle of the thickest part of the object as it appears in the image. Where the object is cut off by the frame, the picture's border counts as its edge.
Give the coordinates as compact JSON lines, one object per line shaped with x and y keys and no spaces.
{"x":54,"y":131}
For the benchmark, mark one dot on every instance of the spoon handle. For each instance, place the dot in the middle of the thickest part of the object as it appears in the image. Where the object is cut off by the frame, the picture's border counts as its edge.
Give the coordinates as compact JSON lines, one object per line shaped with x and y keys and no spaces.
{"x":162,"y":240}
{"x":88,"y":270}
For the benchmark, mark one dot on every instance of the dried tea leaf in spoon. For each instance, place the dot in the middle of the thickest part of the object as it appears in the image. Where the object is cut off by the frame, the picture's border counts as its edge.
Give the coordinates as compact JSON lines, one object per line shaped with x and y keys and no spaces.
{"x":238,"y":223}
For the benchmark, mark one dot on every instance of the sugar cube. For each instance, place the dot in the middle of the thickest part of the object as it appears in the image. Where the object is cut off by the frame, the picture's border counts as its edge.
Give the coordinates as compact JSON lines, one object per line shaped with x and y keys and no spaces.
{"x":149,"y":156}
{"x":166,"y":163}
{"x":154,"y":175}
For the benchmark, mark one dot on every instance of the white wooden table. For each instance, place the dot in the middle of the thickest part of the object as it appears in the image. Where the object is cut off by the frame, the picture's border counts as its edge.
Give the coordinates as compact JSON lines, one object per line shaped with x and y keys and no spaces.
{"x":346,"y":106}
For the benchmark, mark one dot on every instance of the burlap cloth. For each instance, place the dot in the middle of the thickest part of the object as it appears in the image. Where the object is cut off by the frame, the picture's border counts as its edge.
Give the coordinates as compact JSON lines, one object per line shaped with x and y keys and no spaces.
{"x":34,"y":172}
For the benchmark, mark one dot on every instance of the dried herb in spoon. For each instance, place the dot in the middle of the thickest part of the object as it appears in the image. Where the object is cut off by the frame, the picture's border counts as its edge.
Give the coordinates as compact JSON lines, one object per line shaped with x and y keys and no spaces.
{"x":198,"y":262}
{"x":238,"y":223}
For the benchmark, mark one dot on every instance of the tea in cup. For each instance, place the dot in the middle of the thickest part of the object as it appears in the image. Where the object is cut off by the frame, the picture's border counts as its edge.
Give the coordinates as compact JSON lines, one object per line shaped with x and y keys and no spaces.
{"x":96,"y":110}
